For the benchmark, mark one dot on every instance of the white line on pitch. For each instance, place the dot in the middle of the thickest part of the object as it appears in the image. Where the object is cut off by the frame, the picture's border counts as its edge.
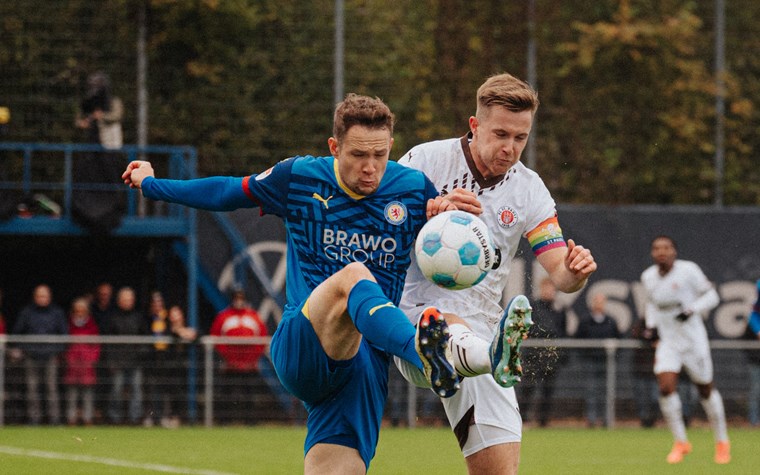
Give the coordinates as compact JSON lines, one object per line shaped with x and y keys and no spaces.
{"x":105,"y":461}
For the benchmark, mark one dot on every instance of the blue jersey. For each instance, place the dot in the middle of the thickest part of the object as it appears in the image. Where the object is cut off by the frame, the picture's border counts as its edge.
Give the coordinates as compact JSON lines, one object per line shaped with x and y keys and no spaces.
{"x":328,"y":226}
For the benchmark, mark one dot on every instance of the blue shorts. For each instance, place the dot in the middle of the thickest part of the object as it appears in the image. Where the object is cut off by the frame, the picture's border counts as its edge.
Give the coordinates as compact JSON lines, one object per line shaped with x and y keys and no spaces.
{"x":344,"y":399}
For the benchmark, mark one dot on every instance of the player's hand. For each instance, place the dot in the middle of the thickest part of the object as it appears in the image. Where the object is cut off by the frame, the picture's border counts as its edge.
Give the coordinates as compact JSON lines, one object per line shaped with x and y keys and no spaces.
{"x":136,"y":172}
{"x":683,"y":316}
{"x":438,"y":205}
{"x":579,"y":260}
{"x":465,"y":200}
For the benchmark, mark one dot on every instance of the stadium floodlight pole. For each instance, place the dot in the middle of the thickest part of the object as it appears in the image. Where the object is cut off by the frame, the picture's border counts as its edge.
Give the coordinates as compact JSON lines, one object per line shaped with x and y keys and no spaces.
{"x":339,"y":50}
{"x":720,"y":98}
{"x":530,"y":153}
{"x":142,"y":91}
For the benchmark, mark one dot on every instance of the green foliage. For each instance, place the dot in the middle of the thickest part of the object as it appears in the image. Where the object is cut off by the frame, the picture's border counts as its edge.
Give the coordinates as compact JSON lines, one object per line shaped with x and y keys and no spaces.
{"x":627,"y":86}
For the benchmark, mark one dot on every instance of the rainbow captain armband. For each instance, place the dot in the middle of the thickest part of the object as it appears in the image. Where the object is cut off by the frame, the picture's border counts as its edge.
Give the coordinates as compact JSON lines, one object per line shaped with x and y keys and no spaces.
{"x":546,"y":236}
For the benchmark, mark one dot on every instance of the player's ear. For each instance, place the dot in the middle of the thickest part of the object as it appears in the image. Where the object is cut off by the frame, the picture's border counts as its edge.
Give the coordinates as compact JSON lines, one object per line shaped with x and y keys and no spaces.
{"x":332,"y":142}
{"x":473,"y":123}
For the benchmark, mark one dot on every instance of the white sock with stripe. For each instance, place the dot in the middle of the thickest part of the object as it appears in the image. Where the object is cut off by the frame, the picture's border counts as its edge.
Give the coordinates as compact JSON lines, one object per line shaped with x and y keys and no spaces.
{"x":471,"y":353}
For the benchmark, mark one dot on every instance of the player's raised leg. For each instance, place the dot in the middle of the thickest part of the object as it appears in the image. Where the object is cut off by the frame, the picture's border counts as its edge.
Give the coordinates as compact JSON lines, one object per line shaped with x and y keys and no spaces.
{"x":432,"y":344}
{"x":506,"y":366}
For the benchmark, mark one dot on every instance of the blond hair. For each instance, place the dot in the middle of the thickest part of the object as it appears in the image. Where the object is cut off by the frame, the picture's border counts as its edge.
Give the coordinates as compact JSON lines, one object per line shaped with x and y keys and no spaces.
{"x":507,"y":91}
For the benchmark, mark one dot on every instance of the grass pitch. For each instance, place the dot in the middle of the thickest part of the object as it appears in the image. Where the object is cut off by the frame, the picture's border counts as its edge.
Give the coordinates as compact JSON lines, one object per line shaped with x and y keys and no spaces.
{"x":278,"y":450}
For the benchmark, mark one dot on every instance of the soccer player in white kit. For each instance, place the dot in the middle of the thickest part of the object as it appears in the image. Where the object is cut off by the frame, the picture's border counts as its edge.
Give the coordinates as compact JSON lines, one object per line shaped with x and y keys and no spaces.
{"x":482,"y":174}
{"x":679,"y":296}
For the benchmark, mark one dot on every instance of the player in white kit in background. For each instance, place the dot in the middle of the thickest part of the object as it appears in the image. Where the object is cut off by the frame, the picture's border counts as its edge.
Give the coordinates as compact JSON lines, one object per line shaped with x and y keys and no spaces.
{"x":679,"y":297}
{"x":481,"y":173}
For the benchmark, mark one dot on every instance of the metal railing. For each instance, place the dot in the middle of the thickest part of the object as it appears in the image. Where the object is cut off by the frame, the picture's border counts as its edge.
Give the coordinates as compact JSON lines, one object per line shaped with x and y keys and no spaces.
{"x":728,"y":355}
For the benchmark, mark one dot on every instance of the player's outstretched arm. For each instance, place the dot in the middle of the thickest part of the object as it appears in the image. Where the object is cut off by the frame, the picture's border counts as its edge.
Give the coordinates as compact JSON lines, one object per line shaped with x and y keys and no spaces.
{"x":569,"y":268}
{"x":212,"y":193}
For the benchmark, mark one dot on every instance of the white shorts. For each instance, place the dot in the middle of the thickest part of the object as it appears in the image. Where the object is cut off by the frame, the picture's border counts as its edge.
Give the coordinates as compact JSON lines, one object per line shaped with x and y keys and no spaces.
{"x":695,"y":360}
{"x":481,"y":413}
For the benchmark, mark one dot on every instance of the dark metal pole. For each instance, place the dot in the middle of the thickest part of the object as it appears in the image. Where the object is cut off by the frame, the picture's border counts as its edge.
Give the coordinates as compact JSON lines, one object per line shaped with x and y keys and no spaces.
{"x":530,"y":152}
{"x":339,"y":50}
{"x":720,"y":99}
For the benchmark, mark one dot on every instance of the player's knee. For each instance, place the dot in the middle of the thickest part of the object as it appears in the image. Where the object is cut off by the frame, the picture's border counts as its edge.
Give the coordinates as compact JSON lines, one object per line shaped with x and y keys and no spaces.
{"x":354,"y":272}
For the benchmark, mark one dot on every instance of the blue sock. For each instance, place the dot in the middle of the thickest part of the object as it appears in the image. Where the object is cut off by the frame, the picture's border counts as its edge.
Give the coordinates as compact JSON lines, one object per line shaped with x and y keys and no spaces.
{"x":381,"y":322}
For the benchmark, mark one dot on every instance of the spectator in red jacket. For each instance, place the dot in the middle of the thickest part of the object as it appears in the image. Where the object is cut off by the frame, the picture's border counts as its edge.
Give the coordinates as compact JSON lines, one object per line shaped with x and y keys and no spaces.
{"x":239,"y":382}
{"x":81,"y":361}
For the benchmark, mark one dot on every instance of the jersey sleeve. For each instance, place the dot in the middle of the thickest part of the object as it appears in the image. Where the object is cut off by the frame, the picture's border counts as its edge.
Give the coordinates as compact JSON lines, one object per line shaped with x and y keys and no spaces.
{"x":544,"y":232}
{"x":214,"y":193}
{"x":270,"y":188}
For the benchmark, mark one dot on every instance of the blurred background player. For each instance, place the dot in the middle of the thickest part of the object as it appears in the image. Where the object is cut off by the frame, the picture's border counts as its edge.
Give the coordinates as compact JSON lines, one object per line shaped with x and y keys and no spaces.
{"x":679,"y":296}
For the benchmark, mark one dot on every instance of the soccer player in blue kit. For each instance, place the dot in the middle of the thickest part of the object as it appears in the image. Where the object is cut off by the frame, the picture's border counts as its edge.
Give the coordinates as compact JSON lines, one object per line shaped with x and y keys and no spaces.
{"x":351,"y":221}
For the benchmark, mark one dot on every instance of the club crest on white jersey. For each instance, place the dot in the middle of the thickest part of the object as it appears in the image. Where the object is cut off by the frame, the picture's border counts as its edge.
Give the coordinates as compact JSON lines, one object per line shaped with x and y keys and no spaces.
{"x":507,"y":217}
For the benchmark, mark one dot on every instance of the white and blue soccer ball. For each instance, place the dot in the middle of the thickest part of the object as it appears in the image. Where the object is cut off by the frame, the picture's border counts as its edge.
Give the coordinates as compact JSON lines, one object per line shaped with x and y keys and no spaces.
{"x":454,"y":250}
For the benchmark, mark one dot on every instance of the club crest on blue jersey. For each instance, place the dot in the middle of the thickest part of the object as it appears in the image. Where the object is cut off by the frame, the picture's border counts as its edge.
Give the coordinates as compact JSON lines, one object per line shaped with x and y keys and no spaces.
{"x":507,"y":217}
{"x":395,"y":212}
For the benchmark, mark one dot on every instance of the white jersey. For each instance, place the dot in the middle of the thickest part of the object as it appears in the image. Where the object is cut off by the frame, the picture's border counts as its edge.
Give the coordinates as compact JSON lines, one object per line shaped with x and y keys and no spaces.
{"x":515,"y":205}
{"x":684,"y":287}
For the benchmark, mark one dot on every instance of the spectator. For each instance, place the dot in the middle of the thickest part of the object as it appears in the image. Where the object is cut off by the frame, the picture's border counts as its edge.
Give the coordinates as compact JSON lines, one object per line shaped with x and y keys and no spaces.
{"x":125,"y":361}
{"x":183,"y":336}
{"x":41,"y":317}
{"x":238,"y":379}
{"x":102,"y":303}
{"x":753,"y":358}
{"x":596,"y":326}
{"x":159,"y":369}
{"x":540,"y":364}
{"x":81,"y":360}
{"x":165,"y":376}
{"x":100,"y":113}
{"x":99,"y":116}
{"x":101,"y":308}
{"x":644,"y":382}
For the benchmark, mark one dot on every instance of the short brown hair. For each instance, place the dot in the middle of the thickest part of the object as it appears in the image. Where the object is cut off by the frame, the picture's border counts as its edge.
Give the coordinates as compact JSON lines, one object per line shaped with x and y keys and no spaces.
{"x":356,"y":109}
{"x":507,"y":91}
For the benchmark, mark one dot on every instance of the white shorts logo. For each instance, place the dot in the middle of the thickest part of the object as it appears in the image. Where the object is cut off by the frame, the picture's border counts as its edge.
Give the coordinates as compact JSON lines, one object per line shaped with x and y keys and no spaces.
{"x":507,"y":217}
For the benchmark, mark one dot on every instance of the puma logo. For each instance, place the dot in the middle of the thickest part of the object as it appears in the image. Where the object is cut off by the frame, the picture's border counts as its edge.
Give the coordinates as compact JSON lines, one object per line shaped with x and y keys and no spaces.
{"x":322,"y":200}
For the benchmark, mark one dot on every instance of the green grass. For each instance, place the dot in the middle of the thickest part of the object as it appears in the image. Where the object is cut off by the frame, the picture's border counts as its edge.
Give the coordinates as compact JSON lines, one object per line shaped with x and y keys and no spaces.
{"x":278,"y":450}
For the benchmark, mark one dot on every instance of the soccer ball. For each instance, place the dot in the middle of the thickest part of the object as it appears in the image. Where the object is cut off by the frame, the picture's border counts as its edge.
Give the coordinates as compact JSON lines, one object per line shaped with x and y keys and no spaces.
{"x":454,"y":250}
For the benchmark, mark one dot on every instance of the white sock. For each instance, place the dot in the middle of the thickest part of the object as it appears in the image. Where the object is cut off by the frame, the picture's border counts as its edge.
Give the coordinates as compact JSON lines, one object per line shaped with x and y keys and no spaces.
{"x":716,"y":414}
{"x":670,"y":406}
{"x":471,"y":353}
